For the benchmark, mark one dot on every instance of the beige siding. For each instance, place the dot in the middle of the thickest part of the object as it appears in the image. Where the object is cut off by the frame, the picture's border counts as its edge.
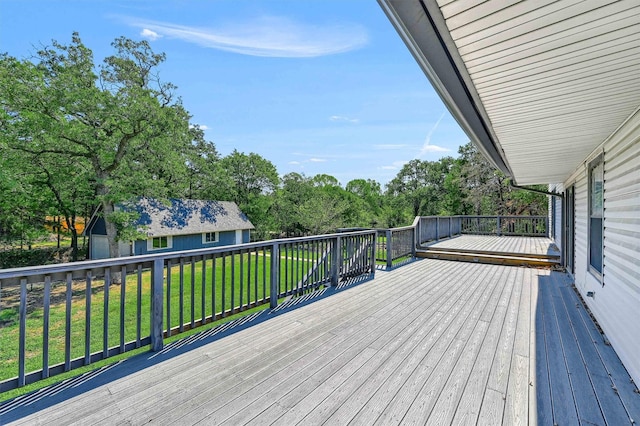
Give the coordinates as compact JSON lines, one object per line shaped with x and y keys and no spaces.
{"x":617,"y":301}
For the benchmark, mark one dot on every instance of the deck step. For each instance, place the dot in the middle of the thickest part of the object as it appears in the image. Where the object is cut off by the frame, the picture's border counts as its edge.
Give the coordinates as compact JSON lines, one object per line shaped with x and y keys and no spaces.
{"x":497,"y":258}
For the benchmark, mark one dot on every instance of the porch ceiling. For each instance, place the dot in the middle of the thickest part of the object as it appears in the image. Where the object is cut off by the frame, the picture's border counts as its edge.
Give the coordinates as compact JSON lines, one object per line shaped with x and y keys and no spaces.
{"x":550,"y":81}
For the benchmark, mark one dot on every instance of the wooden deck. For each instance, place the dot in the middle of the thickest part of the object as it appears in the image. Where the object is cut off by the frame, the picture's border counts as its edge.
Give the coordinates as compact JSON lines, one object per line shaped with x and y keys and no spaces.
{"x":500,"y":244}
{"x":500,"y":250}
{"x":432,"y":342}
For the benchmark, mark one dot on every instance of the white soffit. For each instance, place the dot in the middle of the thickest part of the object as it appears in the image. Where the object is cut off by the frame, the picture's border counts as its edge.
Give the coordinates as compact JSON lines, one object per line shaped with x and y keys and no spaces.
{"x":555,"y":78}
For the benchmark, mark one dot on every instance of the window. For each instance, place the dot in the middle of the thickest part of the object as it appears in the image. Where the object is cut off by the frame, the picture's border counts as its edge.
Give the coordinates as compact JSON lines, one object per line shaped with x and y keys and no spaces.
{"x":159,"y":243}
{"x":596,"y":213}
{"x":209,"y":237}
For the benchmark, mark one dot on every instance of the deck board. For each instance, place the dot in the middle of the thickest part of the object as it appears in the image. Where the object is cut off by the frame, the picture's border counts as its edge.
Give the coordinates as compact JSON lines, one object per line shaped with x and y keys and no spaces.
{"x":433,"y":341}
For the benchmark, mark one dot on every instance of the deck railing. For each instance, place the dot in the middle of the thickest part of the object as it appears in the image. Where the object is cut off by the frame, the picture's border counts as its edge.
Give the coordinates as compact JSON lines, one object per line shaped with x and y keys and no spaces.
{"x":435,"y":228}
{"x":533,"y":226}
{"x":70,"y":315}
{"x":396,"y":244}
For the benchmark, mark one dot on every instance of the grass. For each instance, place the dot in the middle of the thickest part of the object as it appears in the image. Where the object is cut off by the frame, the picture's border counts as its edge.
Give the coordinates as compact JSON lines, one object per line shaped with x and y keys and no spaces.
{"x":223,"y":286}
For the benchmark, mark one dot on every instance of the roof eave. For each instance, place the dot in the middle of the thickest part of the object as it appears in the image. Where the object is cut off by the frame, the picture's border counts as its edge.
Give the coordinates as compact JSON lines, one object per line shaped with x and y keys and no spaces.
{"x":418,"y":23}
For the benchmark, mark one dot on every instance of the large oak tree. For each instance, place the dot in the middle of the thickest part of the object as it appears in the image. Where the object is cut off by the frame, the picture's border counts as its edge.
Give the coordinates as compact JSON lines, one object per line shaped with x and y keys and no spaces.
{"x":114,"y":129}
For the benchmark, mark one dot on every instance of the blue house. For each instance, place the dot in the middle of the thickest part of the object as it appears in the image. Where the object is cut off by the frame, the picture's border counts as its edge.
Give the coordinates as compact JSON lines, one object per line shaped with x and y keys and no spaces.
{"x":174,"y":226}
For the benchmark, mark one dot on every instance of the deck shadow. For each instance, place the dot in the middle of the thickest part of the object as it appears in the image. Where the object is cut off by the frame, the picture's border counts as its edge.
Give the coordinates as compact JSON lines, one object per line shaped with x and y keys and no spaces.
{"x":579,"y":377}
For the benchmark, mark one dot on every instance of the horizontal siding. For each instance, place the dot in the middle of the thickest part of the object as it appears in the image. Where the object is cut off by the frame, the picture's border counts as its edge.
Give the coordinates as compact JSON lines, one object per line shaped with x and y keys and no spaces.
{"x":581,"y":231}
{"x":616,"y":303}
{"x":621,"y":292}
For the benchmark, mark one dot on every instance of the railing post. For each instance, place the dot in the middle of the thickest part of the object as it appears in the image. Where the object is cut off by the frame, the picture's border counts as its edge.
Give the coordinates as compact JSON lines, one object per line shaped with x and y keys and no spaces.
{"x":414,"y":241}
{"x":374,"y":248}
{"x":157,"y":284}
{"x":450,"y":234}
{"x":499,"y":229}
{"x":336,"y":259}
{"x":546,"y":226}
{"x":389,"y":249}
{"x":275,"y":275}
{"x":437,"y":228}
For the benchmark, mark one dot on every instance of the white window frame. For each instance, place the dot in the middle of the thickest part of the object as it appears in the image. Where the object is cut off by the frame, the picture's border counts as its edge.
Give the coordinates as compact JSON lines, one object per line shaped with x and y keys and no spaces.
{"x":597,"y":162}
{"x":150,"y":243}
{"x":215,"y":240}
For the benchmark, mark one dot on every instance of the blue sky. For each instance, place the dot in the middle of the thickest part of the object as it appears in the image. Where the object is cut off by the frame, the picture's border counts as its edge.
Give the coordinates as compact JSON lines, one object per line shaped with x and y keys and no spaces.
{"x":321,"y":86}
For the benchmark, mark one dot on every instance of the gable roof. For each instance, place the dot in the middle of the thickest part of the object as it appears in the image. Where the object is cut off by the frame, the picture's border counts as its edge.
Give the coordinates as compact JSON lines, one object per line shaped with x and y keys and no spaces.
{"x":183,"y":217}
{"x":536,"y":85}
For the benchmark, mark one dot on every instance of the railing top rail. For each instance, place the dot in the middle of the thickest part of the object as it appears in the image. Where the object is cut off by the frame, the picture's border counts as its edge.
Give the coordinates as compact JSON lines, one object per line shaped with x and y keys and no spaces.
{"x":148,"y":259}
{"x":501,"y":216}
{"x":479,"y":215}
{"x":402,"y":228}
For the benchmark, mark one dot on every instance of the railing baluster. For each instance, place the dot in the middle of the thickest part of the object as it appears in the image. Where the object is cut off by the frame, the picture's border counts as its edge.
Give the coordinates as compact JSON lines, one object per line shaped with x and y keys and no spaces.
{"x":255,"y":281}
{"x":87,"y":322}
{"x":193,"y":292}
{"x":22,"y":343}
{"x":105,"y":313}
{"x":275,"y":276}
{"x":241,"y":281}
{"x":233,"y":282}
{"x":123,"y":292}
{"x":264,"y":273}
{"x":67,"y":320}
{"x":224,"y":283}
{"x":298,"y":269}
{"x":168,"y":304}
{"x":213,"y":287}
{"x":45,"y":326}
{"x":249,"y":301}
{"x":203,"y":293}
{"x":181,"y":325}
{"x":139,"y":307}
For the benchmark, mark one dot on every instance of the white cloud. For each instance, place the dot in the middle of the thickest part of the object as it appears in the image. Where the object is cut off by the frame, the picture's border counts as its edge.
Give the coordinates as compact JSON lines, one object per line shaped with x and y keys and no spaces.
{"x":294,"y":163}
{"x":151,"y":35}
{"x":427,"y":147}
{"x":317,"y":160}
{"x":201,"y":126}
{"x":433,"y":148}
{"x":267,"y":36}
{"x":339,"y":118}
{"x":395,"y":165}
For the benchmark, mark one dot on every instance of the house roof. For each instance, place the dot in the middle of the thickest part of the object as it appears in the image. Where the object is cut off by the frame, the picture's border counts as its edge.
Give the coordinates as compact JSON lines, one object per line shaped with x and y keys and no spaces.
{"x":536,"y":85}
{"x":182,"y":217}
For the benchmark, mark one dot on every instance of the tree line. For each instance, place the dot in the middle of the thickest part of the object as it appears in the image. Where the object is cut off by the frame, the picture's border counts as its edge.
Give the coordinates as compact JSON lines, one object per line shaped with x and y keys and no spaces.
{"x":77,"y":136}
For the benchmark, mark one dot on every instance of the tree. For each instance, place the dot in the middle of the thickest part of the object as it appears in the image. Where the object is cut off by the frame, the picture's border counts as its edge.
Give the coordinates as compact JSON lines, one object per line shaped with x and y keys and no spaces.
{"x":123,"y":126}
{"x":372,"y":205}
{"x":420,"y":185}
{"x":488,"y":189}
{"x":295,"y":190}
{"x":250,"y":182}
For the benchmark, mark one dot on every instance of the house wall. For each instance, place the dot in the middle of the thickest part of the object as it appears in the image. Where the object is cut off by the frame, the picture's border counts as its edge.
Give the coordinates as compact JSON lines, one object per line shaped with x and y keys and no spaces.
{"x":99,"y":247}
{"x":616,"y":298}
{"x":192,"y":242}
